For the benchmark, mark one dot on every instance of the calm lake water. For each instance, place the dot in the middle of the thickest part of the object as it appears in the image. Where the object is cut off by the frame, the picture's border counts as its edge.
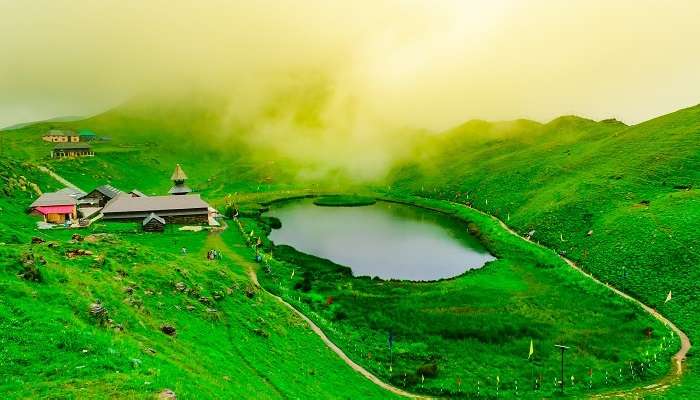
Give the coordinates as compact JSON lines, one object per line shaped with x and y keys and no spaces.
{"x":390,"y":241}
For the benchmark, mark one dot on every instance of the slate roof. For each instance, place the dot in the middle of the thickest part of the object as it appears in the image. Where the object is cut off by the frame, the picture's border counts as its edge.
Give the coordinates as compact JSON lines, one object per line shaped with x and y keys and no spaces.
{"x":153,"y":216}
{"x":127,"y":204}
{"x":138,"y":193}
{"x":179,"y":189}
{"x":71,"y":146}
{"x":109,"y":191}
{"x":72,"y":192}
{"x":54,"y":199}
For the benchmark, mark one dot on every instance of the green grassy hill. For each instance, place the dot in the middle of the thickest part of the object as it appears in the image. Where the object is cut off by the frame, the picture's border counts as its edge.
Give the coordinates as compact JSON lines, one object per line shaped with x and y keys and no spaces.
{"x":231,"y":339}
{"x":623,"y":202}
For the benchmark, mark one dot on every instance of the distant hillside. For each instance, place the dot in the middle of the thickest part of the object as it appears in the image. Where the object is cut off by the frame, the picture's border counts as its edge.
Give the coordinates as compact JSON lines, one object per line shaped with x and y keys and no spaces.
{"x":624,"y":202}
{"x":56,"y":119}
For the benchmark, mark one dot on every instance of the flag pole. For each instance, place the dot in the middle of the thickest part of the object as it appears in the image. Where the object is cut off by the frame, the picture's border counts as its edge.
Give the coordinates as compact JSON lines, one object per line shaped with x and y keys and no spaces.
{"x":563,"y":349}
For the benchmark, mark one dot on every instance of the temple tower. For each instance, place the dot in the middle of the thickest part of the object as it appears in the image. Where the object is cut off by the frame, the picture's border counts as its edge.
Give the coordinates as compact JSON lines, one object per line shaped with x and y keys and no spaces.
{"x":179,"y":179}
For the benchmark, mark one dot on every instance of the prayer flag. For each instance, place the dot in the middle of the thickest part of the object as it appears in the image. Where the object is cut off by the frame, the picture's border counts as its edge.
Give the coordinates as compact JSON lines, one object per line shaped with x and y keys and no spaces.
{"x":668,"y":298}
{"x":532,"y":349}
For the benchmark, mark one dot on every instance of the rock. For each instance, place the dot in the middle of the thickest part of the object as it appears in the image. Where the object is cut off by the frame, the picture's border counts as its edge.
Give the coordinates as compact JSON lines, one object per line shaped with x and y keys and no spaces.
{"x":204,"y":300}
{"x":78,"y":253}
{"x":52,"y":245}
{"x":98,"y":312}
{"x":129,"y":290}
{"x":189,"y":307}
{"x":76,"y":237}
{"x":167,"y":394}
{"x":37,"y":240}
{"x":590,"y":233}
{"x":250,"y":293}
{"x":168,"y":330}
{"x":150,"y":350}
{"x":180,"y":287}
{"x":95,"y":237}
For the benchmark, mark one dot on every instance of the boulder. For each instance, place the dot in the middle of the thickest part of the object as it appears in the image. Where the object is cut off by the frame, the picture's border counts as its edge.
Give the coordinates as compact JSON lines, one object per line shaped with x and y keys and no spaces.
{"x":98,"y":312}
{"x":168,"y":330}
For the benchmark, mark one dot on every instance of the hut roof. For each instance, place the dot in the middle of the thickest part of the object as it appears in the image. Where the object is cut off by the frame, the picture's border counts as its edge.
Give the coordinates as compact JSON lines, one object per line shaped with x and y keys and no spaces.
{"x":137,"y":193}
{"x":109,"y":191}
{"x":153,"y":216}
{"x":72,"y":146}
{"x":72,"y":192}
{"x":54,"y":199}
{"x":87,"y":132}
{"x":178,"y":174}
{"x":179,"y":189}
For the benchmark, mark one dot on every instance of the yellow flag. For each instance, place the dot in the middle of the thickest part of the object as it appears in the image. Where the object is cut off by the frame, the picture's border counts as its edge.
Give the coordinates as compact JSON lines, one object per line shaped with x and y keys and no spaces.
{"x":532,"y":349}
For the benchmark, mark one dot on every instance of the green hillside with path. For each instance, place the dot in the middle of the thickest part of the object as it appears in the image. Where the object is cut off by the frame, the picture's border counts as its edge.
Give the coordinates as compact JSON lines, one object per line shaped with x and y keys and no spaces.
{"x":620,"y":201}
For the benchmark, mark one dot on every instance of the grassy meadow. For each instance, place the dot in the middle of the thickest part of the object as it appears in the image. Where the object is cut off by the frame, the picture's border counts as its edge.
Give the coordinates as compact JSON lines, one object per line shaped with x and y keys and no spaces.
{"x":457,"y":337}
{"x":621,"y":201}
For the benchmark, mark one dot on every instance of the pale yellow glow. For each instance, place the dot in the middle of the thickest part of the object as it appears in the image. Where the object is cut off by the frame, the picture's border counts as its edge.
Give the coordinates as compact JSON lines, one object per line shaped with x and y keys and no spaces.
{"x":381,"y":65}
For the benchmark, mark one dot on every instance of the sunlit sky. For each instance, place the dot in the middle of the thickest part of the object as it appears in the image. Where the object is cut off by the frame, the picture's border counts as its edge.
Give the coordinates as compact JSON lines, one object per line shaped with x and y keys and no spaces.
{"x":429,"y":64}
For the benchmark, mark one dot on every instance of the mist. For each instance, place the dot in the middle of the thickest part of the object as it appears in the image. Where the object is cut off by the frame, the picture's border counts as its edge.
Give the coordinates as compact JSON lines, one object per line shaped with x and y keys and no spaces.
{"x":340,"y":83}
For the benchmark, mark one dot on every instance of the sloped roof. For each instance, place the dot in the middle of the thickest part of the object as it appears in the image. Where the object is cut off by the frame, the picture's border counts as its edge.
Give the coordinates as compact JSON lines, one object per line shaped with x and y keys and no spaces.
{"x":178,"y":174}
{"x":46,"y":210}
{"x":109,"y":191}
{"x":58,"y":132}
{"x":125,"y":204}
{"x":153,"y":216}
{"x":179,"y":189}
{"x":138,"y":193}
{"x":86,"y":132}
{"x":54,"y":199}
{"x":67,"y":146}
{"x":72,"y":192}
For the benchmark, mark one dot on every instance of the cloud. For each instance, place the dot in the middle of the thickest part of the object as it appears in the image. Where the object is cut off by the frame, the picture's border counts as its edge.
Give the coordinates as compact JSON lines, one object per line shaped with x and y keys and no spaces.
{"x":339,"y":79}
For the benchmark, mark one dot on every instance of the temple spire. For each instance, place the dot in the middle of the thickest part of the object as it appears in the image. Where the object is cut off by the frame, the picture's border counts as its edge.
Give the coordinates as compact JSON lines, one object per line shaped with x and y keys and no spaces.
{"x":179,"y":179}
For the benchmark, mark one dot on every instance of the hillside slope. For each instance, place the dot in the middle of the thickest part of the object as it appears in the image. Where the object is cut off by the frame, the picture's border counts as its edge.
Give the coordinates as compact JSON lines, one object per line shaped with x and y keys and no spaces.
{"x":624,"y":202}
{"x":230,"y":338}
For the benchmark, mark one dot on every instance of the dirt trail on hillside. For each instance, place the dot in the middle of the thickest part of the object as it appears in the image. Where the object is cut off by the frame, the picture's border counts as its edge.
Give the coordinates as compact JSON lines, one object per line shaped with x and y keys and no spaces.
{"x":59,"y":178}
{"x":669,"y":379}
{"x":217,"y":242}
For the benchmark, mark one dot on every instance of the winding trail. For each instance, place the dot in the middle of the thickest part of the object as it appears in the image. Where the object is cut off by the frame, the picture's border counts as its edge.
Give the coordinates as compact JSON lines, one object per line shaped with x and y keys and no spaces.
{"x":58,"y":177}
{"x":665,"y":382}
{"x":216,"y":241}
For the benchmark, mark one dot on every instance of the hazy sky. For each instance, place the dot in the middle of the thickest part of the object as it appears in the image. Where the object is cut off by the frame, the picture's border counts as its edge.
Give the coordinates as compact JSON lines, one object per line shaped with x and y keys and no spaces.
{"x":410,"y":63}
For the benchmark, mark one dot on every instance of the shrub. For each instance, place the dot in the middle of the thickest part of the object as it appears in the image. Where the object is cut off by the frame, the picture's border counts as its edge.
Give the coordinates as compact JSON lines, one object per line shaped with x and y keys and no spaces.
{"x":429,"y":370}
{"x":30,"y":272}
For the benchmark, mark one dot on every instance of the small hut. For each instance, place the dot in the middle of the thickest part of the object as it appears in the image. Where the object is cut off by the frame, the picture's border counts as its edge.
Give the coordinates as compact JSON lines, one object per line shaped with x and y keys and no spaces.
{"x":153,"y":223}
{"x":101,"y":195}
{"x":72,"y":150}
